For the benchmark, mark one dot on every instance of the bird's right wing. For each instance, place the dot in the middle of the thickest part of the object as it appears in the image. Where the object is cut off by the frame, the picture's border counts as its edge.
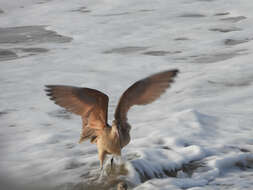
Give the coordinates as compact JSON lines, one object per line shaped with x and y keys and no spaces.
{"x":144,"y":92}
{"x":90,"y":104}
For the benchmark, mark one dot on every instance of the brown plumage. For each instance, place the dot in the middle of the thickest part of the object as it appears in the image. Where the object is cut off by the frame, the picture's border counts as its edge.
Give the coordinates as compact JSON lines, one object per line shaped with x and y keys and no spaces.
{"x":92,"y":106}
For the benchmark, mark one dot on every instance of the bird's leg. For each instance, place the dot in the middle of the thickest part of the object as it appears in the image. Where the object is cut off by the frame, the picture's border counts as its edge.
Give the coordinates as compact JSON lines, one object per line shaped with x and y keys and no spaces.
{"x":101,"y":155}
{"x":101,"y":168}
{"x":101,"y":173}
{"x":111,"y":162}
{"x":121,"y":160}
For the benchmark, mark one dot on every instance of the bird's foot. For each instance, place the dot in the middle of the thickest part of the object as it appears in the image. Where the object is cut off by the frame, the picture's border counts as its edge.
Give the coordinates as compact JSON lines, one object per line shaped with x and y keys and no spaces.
{"x":102,"y":172}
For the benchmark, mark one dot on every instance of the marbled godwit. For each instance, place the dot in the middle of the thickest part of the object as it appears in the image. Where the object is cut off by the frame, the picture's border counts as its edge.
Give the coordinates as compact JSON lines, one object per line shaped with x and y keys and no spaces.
{"x":92,"y":106}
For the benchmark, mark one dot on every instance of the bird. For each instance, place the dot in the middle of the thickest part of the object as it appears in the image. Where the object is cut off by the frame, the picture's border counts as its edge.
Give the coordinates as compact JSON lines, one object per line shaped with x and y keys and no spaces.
{"x":122,"y":186}
{"x":92,"y":106}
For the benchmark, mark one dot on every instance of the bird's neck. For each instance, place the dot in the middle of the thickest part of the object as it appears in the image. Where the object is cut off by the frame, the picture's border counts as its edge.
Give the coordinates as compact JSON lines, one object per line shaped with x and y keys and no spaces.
{"x":114,"y":131}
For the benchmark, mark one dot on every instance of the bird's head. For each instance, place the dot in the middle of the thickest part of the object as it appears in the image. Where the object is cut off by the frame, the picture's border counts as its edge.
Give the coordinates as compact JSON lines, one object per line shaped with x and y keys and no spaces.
{"x":114,"y":123}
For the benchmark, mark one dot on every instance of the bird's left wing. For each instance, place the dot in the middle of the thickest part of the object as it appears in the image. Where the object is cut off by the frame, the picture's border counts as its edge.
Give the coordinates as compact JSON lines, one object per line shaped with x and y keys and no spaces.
{"x":90,"y":104}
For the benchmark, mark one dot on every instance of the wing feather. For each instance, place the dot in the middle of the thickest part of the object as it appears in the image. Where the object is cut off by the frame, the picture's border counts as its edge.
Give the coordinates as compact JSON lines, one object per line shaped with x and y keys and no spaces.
{"x":144,"y":92}
{"x":90,"y":104}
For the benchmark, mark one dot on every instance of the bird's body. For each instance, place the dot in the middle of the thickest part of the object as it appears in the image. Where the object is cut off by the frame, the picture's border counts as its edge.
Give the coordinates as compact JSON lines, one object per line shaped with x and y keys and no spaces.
{"x":92,"y":106}
{"x":108,"y":143}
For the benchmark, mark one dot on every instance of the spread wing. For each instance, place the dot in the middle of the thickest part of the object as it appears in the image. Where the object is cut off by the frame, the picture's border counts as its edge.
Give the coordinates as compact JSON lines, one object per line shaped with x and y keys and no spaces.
{"x":143,"y":92}
{"x":90,"y":104}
